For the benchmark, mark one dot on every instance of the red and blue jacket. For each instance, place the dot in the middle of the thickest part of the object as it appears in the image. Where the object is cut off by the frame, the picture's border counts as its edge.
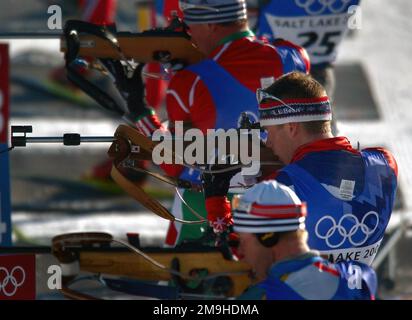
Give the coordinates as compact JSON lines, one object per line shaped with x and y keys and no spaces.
{"x":213,"y":93}
{"x":100,"y":12}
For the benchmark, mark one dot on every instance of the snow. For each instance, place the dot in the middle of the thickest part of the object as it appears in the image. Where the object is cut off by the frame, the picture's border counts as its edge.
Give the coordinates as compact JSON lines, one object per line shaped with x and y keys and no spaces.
{"x":383,"y":46}
{"x":19,"y":46}
{"x":42,"y":227}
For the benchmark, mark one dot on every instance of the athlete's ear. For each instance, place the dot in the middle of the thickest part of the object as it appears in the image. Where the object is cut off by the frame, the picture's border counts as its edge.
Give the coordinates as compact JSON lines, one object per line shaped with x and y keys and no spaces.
{"x":292,"y":129}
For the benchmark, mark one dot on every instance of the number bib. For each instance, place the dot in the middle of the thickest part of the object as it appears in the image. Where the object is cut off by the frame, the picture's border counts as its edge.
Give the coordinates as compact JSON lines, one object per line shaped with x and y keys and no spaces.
{"x":318,"y":28}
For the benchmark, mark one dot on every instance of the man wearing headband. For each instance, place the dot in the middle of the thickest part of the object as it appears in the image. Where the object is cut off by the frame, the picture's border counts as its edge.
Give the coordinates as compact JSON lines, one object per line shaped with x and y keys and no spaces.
{"x":270,"y":220}
{"x":350,"y":193}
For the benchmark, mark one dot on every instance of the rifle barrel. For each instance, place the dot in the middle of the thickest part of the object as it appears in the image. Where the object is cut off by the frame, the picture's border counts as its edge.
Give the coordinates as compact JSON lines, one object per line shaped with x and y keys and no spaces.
{"x":26,"y":250}
{"x":65,"y":138}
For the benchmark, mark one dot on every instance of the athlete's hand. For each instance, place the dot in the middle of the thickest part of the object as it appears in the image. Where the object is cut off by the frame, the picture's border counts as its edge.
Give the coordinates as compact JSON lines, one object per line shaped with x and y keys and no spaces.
{"x":216,"y":180}
{"x":130,"y":85}
{"x":215,"y":187}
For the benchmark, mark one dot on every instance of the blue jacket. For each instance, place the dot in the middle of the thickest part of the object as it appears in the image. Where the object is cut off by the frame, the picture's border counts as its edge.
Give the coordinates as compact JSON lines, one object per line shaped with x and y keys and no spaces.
{"x":349,"y":196}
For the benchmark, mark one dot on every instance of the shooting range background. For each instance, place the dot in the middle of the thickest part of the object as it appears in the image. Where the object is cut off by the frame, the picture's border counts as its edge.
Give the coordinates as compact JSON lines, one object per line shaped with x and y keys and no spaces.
{"x":49,"y":198}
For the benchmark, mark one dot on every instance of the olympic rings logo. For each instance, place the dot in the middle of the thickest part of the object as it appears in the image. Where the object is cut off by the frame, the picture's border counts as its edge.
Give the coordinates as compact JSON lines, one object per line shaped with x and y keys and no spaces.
{"x":10,"y":283}
{"x":343,"y":232}
{"x":316,"y":7}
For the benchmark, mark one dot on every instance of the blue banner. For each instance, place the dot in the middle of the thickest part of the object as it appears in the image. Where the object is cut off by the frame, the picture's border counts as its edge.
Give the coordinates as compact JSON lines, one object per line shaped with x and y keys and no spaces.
{"x":5,"y":220}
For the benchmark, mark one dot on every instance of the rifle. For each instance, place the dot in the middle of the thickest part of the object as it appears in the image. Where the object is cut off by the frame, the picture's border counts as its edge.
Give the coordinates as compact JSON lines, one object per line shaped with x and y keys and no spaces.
{"x":83,"y":40}
{"x":127,"y":147}
{"x":193,"y":270}
{"x":93,"y":253}
{"x":157,"y":45}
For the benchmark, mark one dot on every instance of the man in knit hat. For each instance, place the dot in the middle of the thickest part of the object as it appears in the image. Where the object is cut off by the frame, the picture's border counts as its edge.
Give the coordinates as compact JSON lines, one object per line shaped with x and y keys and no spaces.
{"x":213,"y":93}
{"x":270,"y":220}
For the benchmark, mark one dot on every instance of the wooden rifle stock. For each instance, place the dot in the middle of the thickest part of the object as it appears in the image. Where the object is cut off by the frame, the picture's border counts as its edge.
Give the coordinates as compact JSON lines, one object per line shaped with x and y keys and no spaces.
{"x":144,"y":47}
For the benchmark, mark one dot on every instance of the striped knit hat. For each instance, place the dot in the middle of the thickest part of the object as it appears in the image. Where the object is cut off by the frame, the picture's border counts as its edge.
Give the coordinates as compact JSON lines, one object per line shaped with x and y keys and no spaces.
{"x":268,"y":207}
{"x":212,"y":11}
{"x":275,"y":111}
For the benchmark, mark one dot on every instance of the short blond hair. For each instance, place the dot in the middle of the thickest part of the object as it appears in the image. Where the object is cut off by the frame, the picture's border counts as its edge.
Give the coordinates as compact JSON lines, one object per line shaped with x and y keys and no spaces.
{"x":317,"y":127}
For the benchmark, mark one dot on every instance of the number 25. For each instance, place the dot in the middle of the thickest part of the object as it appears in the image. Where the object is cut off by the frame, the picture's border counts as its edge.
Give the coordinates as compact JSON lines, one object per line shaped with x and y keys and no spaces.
{"x":327,"y":42}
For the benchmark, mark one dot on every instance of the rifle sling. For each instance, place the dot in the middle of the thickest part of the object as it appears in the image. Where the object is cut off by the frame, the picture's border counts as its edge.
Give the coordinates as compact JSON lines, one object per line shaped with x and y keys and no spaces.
{"x":136,"y":192}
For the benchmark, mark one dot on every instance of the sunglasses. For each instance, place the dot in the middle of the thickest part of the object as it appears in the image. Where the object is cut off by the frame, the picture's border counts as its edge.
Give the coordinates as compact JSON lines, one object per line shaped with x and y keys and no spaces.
{"x":262,"y":95}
